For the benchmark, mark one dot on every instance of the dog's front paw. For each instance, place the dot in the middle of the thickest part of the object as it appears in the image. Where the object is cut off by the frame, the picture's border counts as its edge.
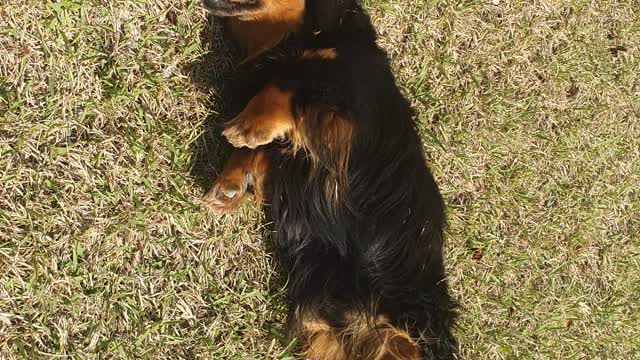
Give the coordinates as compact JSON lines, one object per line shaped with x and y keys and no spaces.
{"x":251,"y":133}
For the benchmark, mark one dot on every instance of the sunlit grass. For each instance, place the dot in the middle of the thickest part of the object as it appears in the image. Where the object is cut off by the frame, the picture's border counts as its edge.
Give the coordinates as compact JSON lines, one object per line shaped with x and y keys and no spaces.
{"x":530,"y":118}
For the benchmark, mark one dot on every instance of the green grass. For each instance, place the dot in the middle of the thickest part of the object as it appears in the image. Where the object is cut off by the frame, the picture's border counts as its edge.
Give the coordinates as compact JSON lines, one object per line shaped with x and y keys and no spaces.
{"x":530,"y":116}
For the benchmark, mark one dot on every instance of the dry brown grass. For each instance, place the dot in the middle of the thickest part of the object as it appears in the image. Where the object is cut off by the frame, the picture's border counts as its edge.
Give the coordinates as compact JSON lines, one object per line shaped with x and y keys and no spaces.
{"x":529,"y":112}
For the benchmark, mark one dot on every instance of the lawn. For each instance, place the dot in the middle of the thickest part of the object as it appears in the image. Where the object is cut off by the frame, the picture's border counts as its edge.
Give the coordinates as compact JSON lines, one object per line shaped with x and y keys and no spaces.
{"x":530,"y":115}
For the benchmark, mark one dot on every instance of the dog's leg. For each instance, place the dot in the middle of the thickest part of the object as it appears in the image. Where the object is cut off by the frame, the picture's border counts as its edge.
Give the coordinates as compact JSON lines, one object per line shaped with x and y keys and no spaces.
{"x":267,"y":117}
{"x":245,"y":170}
{"x":316,"y":127}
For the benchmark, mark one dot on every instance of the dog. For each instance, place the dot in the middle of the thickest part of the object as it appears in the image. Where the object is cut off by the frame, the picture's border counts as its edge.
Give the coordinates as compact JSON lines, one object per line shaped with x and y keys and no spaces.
{"x":327,"y":143}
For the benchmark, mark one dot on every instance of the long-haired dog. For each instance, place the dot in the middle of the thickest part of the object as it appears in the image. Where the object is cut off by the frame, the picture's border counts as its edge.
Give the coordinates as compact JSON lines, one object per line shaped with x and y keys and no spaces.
{"x":328,"y":145}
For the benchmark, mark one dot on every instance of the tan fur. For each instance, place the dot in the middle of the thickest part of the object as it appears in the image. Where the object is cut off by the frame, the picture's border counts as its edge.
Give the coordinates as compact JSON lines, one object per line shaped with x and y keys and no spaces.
{"x":322,"y":341}
{"x":265,"y":118}
{"x":363,"y":338}
{"x":377,"y":339}
{"x":333,"y":138}
{"x":325,"y":54}
{"x":261,"y":30}
{"x":244,"y":168}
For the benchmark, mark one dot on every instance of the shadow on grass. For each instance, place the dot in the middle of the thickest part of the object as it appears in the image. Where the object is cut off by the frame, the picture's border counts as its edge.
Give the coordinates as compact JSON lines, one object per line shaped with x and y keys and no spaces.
{"x":212,"y":73}
{"x":215,"y":73}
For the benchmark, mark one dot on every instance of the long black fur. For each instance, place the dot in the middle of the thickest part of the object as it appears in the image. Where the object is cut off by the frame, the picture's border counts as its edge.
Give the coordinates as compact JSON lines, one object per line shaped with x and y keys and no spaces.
{"x":378,"y":249}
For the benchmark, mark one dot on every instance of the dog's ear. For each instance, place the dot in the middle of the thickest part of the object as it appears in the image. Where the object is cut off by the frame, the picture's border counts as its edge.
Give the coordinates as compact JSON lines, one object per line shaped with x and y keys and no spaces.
{"x":328,"y":13}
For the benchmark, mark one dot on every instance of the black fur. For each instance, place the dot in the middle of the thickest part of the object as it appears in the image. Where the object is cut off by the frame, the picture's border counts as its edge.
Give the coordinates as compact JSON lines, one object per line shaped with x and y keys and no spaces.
{"x":378,"y":249}
{"x":232,"y":8}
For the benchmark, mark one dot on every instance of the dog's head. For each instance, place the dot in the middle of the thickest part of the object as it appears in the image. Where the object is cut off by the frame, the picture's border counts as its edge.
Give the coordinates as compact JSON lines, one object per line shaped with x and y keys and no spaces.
{"x":325,"y":14}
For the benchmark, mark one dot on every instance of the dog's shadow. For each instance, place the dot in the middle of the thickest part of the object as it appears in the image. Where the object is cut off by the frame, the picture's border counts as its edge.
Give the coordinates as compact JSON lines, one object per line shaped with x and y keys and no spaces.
{"x":214,"y":73}
{"x":230,"y":87}
{"x":211,"y":73}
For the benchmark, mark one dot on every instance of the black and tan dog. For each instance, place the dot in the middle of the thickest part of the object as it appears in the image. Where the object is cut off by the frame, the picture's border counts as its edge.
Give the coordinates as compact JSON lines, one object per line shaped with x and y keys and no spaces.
{"x":328,"y":144}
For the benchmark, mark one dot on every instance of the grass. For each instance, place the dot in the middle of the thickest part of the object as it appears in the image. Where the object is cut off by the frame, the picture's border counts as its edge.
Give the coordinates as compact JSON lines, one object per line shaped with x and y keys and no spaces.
{"x":530,"y":116}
